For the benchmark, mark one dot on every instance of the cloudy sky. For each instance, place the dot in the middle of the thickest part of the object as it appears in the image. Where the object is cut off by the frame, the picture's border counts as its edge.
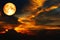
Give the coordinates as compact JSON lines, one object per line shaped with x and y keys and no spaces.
{"x":46,"y":16}
{"x":29,"y":7}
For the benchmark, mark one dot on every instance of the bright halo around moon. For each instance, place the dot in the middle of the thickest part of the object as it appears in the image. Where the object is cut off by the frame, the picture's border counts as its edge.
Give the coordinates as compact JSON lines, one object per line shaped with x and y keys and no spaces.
{"x":9,"y":9}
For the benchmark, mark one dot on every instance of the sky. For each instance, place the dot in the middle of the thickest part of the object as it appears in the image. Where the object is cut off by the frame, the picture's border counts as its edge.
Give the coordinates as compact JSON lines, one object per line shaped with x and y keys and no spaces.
{"x":25,"y":8}
{"x":28,"y":7}
{"x":19,"y":3}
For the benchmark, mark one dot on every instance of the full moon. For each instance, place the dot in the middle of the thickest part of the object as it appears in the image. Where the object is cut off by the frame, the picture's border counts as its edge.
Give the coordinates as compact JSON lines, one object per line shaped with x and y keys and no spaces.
{"x":9,"y":9}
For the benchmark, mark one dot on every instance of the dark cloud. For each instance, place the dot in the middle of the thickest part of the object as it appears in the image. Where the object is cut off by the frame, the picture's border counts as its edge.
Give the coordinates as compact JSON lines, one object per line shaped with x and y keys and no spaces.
{"x":49,"y":3}
{"x":49,"y":18}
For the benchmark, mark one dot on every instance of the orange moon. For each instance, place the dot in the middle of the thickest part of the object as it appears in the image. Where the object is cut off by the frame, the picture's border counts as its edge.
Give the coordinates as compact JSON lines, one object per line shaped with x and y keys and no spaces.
{"x":9,"y":9}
